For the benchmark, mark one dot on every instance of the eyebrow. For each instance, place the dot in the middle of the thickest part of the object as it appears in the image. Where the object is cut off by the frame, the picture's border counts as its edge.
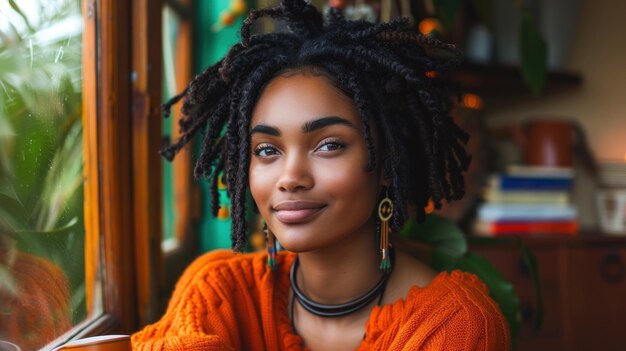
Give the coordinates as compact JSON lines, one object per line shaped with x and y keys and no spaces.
{"x":308,"y":127}
{"x":262,"y":128}
{"x":320,"y":123}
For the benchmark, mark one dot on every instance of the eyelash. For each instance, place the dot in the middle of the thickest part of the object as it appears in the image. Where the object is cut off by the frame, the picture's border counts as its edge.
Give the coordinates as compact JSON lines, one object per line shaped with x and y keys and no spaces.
{"x":262,"y":147}
{"x":332,"y":141}
{"x":335,"y":142}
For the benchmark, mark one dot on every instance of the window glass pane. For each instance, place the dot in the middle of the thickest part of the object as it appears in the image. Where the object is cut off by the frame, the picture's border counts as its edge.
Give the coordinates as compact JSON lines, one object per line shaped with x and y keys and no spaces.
{"x":42,"y":263}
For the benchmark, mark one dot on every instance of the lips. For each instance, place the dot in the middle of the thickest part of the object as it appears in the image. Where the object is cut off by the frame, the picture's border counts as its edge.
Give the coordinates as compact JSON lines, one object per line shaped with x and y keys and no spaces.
{"x":294,"y":212}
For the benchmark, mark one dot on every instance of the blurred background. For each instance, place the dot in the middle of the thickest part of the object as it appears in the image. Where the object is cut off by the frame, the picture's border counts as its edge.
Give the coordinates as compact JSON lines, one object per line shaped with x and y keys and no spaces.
{"x":542,"y":83}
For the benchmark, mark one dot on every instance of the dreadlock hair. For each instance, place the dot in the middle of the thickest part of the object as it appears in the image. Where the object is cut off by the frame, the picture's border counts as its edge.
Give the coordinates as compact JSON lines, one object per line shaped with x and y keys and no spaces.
{"x":395,"y":76}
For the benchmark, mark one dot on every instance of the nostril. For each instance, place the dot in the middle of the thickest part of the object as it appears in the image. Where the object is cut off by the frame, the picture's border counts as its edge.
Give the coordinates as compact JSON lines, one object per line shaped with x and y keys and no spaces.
{"x":294,"y":184}
{"x":295,"y":175}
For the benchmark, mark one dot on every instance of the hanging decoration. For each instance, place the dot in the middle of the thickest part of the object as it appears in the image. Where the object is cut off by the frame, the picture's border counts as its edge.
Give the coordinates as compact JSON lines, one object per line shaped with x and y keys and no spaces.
{"x":228,"y":17}
{"x":223,"y":213}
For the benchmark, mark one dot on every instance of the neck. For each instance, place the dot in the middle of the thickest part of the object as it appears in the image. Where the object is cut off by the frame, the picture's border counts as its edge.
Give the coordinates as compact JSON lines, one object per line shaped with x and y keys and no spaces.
{"x":342,"y":272}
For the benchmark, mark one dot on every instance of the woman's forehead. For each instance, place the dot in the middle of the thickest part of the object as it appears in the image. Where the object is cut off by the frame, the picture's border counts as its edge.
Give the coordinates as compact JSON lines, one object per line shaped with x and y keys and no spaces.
{"x":299,"y":98}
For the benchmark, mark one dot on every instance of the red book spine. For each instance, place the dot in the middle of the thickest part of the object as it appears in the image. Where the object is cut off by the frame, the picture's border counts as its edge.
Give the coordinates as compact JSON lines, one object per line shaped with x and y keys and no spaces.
{"x":566,"y":227}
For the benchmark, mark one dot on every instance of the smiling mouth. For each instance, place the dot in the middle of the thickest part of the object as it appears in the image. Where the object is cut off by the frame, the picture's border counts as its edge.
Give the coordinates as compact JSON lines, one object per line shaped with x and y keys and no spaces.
{"x":296,"y":212}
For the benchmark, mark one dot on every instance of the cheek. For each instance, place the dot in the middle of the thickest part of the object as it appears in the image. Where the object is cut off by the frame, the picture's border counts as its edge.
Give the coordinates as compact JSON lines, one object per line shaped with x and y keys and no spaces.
{"x":350,"y":185}
{"x":261,"y":182}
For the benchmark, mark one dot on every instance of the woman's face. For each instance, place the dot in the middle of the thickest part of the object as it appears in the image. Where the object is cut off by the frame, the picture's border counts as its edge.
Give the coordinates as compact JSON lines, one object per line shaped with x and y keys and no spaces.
{"x":307,"y":169}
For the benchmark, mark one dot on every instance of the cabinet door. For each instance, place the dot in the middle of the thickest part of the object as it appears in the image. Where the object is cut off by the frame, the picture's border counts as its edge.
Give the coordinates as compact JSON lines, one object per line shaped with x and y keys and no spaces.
{"x":596,"y":294}
{"x":508,"y":261}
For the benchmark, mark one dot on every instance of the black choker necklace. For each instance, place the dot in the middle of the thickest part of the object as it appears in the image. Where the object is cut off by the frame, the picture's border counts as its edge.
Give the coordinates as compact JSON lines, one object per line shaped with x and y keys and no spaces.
{"x":338,"y":310}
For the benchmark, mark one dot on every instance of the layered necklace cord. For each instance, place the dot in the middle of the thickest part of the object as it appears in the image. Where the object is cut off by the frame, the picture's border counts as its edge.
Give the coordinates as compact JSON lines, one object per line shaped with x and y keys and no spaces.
{"x":333,"y":310}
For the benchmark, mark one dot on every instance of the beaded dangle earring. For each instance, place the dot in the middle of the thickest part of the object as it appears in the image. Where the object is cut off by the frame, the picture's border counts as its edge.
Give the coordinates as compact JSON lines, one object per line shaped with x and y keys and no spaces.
{"x":270,"y":243}
{"x":385,"y":211}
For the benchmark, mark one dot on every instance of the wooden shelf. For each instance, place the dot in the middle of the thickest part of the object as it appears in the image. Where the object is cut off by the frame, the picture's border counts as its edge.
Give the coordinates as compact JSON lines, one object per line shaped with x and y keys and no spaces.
{"x":582,"y":239}
{"x":504,"y":79}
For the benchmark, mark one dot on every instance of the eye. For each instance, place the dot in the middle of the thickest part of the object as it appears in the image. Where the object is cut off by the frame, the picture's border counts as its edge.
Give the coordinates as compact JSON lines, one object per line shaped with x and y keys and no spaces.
{"x":265,"y":150}
{"x":331,"y":145}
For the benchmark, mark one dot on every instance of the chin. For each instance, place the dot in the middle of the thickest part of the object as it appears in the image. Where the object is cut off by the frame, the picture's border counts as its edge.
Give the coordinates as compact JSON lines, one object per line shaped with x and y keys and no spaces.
{"x":297,"y":241}
{"x":298,"y":246}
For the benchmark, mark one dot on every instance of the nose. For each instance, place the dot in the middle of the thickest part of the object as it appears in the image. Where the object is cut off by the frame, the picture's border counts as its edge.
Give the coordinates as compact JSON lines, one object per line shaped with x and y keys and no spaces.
{"x":295,"y":174}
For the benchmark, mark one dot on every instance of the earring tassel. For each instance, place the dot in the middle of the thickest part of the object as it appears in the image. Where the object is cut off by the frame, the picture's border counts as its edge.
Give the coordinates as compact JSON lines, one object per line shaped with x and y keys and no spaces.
{"x":385,"y":210}
{"x":385,"y":263}
{"x":271,"y":248}
{"x":271,"y":258}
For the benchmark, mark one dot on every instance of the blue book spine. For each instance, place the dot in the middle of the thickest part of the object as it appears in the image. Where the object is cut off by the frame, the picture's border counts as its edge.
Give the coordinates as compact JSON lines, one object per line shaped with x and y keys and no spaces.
{"x":524,"y":183}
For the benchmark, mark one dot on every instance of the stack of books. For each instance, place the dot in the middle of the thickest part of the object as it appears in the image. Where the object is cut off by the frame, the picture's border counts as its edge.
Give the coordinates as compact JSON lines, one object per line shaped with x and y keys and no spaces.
{"x":528,"y":200}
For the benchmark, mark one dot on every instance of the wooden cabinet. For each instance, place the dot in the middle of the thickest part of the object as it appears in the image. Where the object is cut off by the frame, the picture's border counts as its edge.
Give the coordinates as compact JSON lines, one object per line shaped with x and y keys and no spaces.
{"x":583,"y":283}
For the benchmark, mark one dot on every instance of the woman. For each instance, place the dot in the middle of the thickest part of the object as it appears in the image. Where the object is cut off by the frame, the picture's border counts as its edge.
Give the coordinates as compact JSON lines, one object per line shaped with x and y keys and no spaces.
{"x":338,"y":131}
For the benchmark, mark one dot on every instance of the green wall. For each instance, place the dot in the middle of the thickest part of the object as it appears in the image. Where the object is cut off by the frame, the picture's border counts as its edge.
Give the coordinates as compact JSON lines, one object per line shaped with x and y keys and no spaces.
{"x":210,"y":47}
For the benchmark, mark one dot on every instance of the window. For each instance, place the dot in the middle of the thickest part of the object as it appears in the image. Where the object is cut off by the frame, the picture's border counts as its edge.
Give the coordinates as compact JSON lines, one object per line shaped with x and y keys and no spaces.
{"x":81,"y":182}
{"x":80,"y":178}
{"x":42,"y":232}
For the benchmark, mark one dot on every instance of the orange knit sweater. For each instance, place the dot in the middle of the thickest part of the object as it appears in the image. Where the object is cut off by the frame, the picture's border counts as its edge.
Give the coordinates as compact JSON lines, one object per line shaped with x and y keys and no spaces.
{"x":227,"y":301}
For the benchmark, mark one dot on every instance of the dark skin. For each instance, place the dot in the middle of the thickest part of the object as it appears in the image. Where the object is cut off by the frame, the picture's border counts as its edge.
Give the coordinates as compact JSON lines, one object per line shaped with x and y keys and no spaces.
{"x":308,"y":179}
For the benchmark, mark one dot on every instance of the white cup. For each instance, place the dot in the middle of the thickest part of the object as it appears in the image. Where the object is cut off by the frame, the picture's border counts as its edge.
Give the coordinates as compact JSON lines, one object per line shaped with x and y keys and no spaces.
{"x":8,"y":346}
{"x":611,"y":204}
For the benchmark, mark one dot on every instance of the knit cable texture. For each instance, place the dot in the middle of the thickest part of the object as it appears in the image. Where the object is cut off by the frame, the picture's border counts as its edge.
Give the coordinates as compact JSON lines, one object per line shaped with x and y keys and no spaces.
{"x":228,"y":301}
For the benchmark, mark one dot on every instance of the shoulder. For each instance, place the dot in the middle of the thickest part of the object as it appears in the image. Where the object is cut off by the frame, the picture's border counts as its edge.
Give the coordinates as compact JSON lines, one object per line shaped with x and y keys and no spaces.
{"x":231,"y":268}
{"x":464,"y":292}
{"x":454,"y":310}
{"x":458,"y":297}
{"x":221,"y":273}
{"x":206,"y":267}
{"x":415,"y":282}
{"x":460,"y":302}
{"x":223,"y":263}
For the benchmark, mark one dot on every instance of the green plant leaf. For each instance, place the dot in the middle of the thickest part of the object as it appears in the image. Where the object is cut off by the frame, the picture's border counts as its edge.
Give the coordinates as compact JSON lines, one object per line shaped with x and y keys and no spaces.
{"x":500,"y":289}
{"x":7,"y":281}
{"x":448,"y":10}
{"x":442,"y":261}
{"x":439,"y":233}
{"x":46,"y":244}
{"x":488,"y":240}
{"x":22,"y":15}
{"x":13,"y":216}
{"x":533,"y":54}
{"x":62,"y":180}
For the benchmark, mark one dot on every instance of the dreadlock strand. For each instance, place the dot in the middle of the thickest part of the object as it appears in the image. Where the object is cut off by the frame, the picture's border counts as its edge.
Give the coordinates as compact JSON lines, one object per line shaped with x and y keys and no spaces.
{"x":302,"y":19}
{"x":253,"y":16}
{"x":214,"y":187}
{"x":166,"y":108}
{"x":394,"y":25}
{"x":335,"y":17}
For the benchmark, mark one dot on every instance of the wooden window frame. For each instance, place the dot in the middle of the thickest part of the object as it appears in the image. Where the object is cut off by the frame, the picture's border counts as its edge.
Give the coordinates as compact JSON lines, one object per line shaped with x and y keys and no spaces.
{"x":187,"y":194}
{"x":122,"y":82}
{"x":122,"y":95}
{"x":108,"y":168}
